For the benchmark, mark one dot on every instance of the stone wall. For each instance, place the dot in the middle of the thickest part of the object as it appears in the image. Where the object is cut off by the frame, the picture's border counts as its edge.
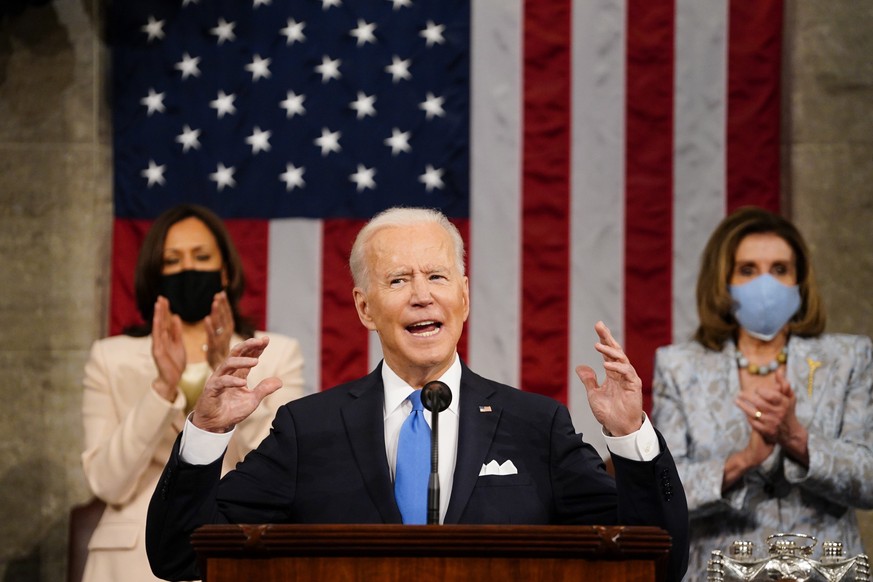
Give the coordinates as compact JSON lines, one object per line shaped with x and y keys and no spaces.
{"x":55,"y":229}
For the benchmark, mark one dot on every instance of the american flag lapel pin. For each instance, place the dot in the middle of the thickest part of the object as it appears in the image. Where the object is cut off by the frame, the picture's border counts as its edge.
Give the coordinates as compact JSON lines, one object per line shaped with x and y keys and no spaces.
{"x":485,"y":409}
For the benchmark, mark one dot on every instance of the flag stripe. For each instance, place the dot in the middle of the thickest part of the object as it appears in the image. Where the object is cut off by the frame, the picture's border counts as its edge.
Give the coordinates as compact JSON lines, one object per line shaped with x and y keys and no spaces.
{"x":649,"y":187}
{"x":699,"y":129}
{"x":127,"y":236}
{"x":252,"y":240}
{"x":545,"y":197}
{"x":495,"y":215}
{"x":597,"y":192}
{"x":294,"y":290}
{"x":754,"y":69}
{"x":344,"y":340}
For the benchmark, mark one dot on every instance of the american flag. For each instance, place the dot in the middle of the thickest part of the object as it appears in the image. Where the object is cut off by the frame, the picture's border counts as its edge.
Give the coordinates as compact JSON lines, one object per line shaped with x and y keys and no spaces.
{"x":585,"y":149}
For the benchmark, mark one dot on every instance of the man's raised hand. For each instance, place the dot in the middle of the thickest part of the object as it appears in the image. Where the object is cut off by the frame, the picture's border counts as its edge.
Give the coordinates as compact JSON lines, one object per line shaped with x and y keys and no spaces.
{"x":226,"y":399}
{"x":617,"y":404}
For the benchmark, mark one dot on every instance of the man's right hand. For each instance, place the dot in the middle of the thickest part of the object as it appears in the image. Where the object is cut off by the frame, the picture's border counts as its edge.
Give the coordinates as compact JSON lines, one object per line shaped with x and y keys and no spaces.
{"x":226,"y":399}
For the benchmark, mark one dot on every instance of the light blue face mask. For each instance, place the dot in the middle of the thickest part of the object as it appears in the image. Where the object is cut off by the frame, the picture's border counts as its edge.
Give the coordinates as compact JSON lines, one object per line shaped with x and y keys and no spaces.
{"x":764,"y":305}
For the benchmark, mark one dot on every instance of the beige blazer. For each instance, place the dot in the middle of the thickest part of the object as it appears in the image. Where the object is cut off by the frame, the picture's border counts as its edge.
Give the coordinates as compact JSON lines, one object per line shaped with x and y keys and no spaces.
{"x":130,"y":430}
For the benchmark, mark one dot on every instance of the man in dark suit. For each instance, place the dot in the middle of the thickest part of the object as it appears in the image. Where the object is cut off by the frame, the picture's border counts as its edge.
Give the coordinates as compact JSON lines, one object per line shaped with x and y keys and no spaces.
{"x":506,"y":456}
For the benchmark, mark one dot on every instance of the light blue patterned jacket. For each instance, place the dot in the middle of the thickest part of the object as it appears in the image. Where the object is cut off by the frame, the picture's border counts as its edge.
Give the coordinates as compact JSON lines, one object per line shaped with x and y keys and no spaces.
{"x":693,"y":406}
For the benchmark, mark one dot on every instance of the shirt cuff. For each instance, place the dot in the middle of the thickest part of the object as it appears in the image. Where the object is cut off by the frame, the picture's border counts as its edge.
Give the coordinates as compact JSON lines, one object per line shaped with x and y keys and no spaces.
{"x":201,"y":447}
{"x":637,"y":446}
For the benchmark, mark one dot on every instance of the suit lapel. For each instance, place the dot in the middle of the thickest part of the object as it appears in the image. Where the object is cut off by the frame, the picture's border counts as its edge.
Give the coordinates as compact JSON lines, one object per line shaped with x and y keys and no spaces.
{"x":477,"y":423}
{"x":365,"y":430}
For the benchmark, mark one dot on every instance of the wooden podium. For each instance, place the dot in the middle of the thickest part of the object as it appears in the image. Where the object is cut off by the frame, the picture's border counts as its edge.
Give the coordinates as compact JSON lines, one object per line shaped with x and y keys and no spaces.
{"x":445,"y":553}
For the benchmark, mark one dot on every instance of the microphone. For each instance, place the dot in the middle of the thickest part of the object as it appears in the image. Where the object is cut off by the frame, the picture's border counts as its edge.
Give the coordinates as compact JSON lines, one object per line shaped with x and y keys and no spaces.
{"x":436,"y":397}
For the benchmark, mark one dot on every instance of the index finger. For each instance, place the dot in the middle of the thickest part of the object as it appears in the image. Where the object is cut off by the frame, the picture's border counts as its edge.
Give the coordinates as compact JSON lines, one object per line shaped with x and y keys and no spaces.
{"x":252,"y":347}
{"x":606,"y":335}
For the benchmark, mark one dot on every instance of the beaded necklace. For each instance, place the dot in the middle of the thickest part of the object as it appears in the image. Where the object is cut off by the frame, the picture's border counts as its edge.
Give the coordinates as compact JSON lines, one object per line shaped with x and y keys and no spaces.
{"x":762,"y":369}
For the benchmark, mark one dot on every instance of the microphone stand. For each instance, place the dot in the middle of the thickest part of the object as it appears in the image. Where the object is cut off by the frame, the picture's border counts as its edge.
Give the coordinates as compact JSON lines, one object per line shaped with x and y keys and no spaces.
{"x":436,"y":397}
{"x":433,"y":482}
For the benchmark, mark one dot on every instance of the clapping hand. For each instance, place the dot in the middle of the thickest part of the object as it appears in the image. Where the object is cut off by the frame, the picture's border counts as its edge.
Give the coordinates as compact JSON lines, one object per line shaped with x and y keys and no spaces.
{"x":219,"y":330}
{"x":617,"y":404}
{"x":226,"y":399}
{"x":771,"y":412}
{"x":168,"y":349}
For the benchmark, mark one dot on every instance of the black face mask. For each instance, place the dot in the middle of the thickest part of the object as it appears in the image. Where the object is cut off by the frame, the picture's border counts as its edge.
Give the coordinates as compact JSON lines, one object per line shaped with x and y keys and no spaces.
{"x":191,"y":293}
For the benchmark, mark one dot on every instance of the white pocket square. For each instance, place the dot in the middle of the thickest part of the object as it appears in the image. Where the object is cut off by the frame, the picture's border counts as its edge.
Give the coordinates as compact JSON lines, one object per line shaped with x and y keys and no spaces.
{"x":494,"y":468}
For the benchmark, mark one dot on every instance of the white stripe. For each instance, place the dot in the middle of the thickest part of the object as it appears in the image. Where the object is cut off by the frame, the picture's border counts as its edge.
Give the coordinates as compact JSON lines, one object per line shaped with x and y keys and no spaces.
{"x":374,"y":350}
{"x":699,"y":161}
{"x":294,"y":289}
{"x":495,"y":166}
{"x":597,"y":212}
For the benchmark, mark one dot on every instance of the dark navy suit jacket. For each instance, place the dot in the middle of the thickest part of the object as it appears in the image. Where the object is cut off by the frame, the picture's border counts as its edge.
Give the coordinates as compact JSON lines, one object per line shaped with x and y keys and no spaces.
{"x":324,"y":462}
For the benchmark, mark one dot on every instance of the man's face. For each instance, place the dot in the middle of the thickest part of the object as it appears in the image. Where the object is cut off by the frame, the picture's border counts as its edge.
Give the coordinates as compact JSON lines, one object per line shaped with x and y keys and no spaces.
{"x":416,"y":299}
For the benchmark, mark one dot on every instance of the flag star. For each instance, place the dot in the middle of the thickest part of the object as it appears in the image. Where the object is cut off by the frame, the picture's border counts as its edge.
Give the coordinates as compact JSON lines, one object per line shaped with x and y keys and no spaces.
{"x":398,"y":68}
{"x":363,"y":178}
{"x":294,"y":31}
{"x":154,"y":173}
{"x":432,"y":178}
{"x":189,"y":138}
{"x":259,"y":140}
{"x":154,"y":28}
{"x":154,"y":102}
{"x":433,"y":33}
{"x":325,"y":4}
{"x":398,"y":142}
{"x":364,"y":32}
{"x":293,"y":177}
{"x":328,"y":69}
{"x":189,"y":66}
{"x":223,"y":177}
{"x":224,"y":30}
{"x":364,"y":105}
{"x":329,"y":141}
{"x":433,"y":105}
{"x":259,"y":68}
{"x":223,"y":104}
{"x":293,"y":104}
{"x":257,"y":3}
{"x":401,"y":3}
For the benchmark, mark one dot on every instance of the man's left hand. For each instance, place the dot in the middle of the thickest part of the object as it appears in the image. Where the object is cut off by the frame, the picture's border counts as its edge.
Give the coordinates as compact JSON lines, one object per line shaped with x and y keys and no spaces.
{"x":617,"y":404}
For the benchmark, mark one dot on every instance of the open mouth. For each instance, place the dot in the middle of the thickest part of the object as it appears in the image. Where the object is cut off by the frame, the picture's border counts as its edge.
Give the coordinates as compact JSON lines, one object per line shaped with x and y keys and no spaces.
{"x":424,"y":328}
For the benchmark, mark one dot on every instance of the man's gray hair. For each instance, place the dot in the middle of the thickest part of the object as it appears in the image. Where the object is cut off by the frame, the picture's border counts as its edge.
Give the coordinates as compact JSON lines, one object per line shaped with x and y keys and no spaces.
{"x":400,"y":216}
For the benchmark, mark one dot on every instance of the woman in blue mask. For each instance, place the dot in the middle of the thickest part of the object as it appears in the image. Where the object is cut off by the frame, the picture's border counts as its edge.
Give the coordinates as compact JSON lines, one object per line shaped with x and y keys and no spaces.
{"x":769,"y":419}
{"x":140,"y":386}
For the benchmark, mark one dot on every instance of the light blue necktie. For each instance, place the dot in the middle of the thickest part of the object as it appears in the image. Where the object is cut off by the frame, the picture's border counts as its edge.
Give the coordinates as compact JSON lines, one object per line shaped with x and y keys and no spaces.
{"x":413,"y":464}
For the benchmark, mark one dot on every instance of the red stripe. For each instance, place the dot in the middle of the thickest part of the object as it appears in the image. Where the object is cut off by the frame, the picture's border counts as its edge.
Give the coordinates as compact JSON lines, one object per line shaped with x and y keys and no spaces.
{"x":252,"y":241}
{"x":463,"y":225}
{"x":545,"y":312}
{"x":649,"y":183}
{"x":127,"y":237}
{"x":343,"y":338}
{"x":754,"y":70}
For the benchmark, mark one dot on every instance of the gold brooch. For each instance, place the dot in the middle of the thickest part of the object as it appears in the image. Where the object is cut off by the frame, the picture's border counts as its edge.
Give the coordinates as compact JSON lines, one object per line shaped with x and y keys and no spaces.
{"x":813,"y":366}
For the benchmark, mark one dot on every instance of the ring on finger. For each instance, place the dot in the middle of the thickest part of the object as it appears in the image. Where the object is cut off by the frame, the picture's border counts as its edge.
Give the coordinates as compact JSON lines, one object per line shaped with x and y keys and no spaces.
{"x":219,"y":330}
{"x":758,"y":415}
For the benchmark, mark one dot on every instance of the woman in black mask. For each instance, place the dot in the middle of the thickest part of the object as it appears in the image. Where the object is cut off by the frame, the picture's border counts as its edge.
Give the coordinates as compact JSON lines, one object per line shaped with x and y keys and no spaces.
{"x":138,"y":392}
